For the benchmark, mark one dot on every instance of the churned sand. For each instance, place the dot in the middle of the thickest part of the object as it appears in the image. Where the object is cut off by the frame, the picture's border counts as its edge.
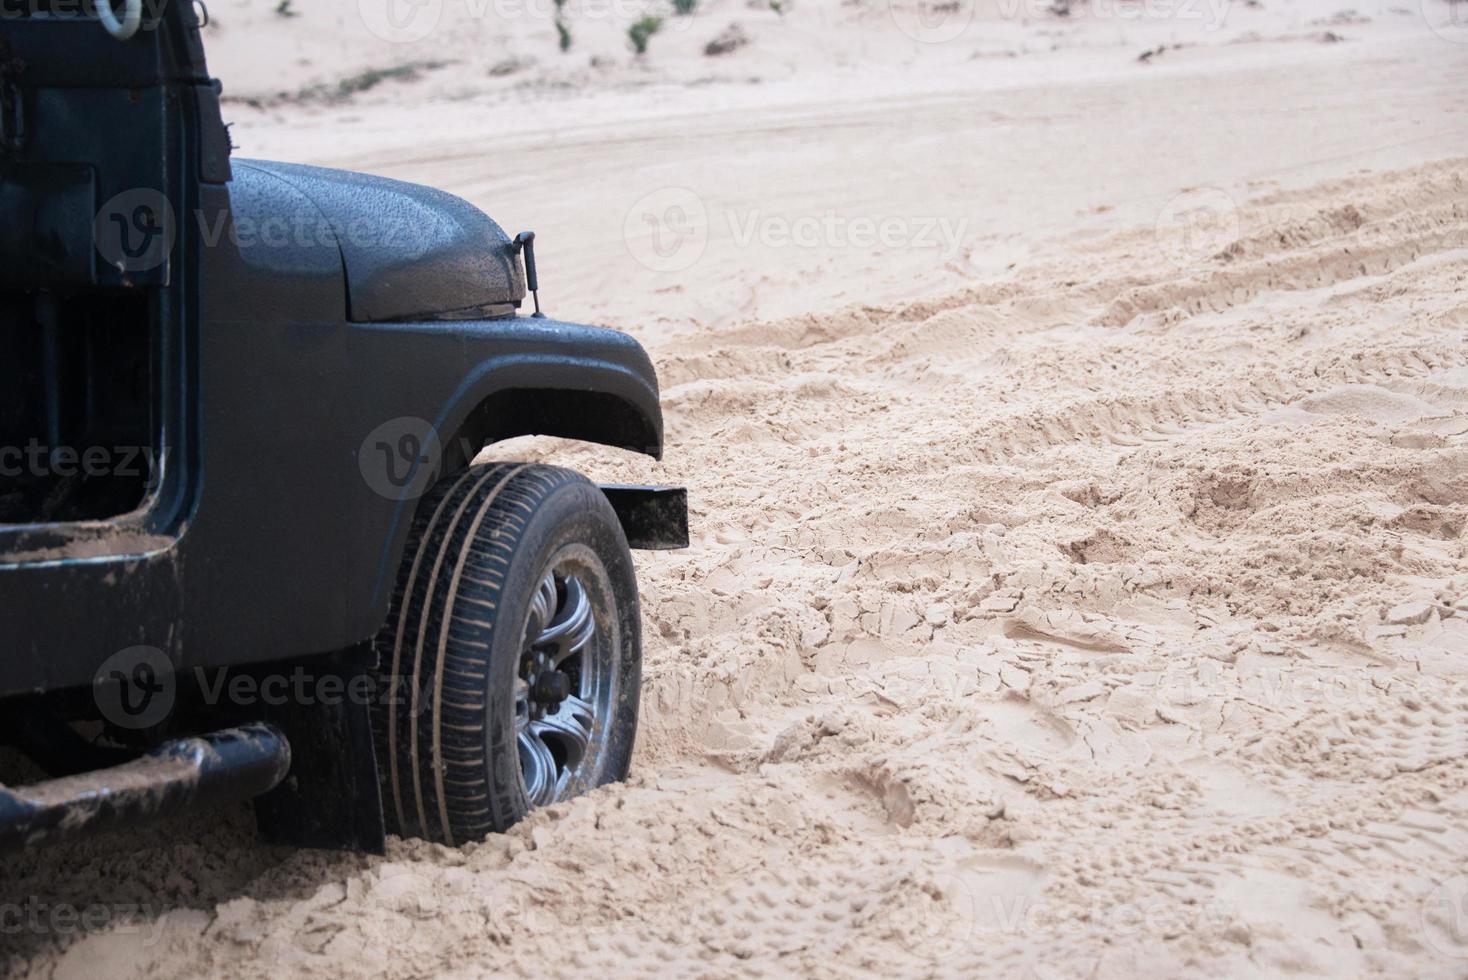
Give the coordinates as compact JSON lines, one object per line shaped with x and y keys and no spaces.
{"x":1088,"y":598}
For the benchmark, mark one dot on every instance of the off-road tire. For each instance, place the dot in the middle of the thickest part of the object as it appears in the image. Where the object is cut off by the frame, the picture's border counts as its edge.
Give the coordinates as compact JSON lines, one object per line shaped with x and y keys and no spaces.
{"x":455,"y":646}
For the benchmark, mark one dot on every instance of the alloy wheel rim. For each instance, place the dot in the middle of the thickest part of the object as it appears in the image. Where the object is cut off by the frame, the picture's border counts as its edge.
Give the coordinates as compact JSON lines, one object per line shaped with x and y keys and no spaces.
{"x":562,"y":692}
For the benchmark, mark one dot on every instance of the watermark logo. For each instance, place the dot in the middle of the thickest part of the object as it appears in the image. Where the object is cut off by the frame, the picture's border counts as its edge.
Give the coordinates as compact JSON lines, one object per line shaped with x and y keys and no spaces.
{"x":135,"y":688}
{"x":1445,"y":917}
{"x":938,"y":920}
{"x":400,"y":21}
{"x":400,"y":458}
{"x":1209,"y":682}
{"x":135,"y":230}
{"x":941,"y":21}
{"x":407,"y":21}
{"x":1448,"y":19}
{"x":1210,"y":13}
{"x":667,"y":230}
{"x":1197,"y":224}
{"x":931,"y":21}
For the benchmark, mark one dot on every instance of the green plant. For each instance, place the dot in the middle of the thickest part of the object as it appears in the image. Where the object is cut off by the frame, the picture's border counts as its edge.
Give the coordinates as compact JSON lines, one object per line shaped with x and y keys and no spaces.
{"x":373,"y":77}
{"x":731,"y":38}
{"x":642,"y":31}
{"x":779,"y":6}
{"x":684,"y":7}
{"x":563,"y":33}
{"x":283,"y":9}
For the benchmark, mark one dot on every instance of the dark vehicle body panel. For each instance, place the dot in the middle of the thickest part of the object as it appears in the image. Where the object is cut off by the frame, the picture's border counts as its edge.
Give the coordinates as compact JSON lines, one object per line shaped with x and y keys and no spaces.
{"x":278,"y":358}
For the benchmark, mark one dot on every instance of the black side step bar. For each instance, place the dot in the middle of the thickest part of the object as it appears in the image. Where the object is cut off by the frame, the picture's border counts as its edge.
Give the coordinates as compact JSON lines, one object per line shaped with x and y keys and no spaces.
{"x":221,"y":767}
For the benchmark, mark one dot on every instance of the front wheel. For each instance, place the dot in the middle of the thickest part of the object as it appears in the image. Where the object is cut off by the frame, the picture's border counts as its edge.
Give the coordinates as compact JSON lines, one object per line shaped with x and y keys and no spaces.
{"x":511,"y":656}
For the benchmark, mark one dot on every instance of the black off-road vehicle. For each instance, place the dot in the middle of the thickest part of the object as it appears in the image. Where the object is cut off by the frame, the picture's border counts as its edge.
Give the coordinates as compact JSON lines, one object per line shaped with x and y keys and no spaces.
{"x":245,"y":547}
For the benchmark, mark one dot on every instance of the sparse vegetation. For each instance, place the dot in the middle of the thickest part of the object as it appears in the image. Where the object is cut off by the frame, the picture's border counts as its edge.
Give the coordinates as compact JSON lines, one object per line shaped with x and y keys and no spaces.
{"x":346,"y":88}
{"x":284,"y":9}
{"x":684,"y":7}
{"x":373,"y":77}
{"x":563,"y":33}
{"x":507,"y":66}
{"x":642,"y":31}
{"x":731,"y":38}
{"x":780,"y":6}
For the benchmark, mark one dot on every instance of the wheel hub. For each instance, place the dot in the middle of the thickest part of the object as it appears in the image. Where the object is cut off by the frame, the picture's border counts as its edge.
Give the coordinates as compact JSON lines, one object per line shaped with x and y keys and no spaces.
{"x":548,"y":686}
{"x":558,"y":685}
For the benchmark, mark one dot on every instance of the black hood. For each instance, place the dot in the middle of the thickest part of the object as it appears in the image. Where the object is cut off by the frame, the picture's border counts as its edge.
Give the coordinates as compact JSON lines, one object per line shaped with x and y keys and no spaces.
{"x":408,"y":252}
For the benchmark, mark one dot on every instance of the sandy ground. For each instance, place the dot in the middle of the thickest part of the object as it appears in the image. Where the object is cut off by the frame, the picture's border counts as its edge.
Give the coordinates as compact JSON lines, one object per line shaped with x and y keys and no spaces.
{"x":1081,"y":594}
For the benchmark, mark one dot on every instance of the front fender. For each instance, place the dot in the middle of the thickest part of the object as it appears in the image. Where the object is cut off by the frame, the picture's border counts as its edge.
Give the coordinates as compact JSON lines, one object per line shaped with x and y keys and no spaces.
{"x":455,"y":386}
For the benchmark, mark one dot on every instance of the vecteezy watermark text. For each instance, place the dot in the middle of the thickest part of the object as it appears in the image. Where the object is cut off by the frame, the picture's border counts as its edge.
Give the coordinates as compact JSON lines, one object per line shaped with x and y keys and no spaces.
{"x":669,"y":229}
{"x":135,"y":231}
{"x":137,"y":688}
{"x":409,"y":21}
{"x":74,"y":10}
{"x":831,"y":229}
{"x":941,"y":21}
{"x":33,"y":916}
{"x":301,"y":687}
{"x":39,"y":460}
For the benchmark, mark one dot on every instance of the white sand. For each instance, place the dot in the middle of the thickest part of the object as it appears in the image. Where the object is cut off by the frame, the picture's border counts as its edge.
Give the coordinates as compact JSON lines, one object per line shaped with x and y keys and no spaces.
{"x":1086,"y":600}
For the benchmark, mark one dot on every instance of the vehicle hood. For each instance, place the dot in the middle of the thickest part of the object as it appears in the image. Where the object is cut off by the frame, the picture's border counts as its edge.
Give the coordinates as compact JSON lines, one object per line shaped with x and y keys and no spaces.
{"x":408,"y":252}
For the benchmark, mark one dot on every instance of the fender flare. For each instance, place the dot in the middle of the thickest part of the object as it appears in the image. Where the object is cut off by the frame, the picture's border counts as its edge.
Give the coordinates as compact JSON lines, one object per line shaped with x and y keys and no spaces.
{"x":585,"y":399}
{"x":609,"y":400}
